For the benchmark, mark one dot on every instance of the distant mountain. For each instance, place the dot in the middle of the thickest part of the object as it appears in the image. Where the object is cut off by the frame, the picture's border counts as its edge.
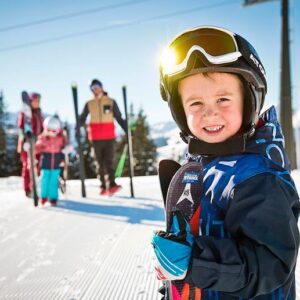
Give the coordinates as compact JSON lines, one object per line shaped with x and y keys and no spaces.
{"x":166,"y":138}
{"x":11,"y":119}
{"x":161,"y":132}
{"x":161,"y":127}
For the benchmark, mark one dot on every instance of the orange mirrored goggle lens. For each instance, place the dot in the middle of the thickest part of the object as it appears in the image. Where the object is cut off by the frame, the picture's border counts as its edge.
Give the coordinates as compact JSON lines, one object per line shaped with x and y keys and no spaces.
{"x":214,"y":42}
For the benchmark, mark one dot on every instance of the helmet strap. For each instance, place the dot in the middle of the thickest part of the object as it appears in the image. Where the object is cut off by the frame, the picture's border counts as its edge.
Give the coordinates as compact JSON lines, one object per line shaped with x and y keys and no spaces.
{"x":185,"y":137}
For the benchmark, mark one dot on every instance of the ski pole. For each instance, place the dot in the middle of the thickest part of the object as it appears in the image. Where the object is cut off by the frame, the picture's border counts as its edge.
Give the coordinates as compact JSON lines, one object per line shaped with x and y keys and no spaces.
{"x":81,"y":158}
{"x":129,"y":142}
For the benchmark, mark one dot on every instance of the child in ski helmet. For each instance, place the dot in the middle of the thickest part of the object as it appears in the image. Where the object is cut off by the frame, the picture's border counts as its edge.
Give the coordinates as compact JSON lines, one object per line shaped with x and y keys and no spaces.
{"x":52,"y":126}
{"x":248,"y":237}
{"x":50,"y":145}
{"x":36,"y":129}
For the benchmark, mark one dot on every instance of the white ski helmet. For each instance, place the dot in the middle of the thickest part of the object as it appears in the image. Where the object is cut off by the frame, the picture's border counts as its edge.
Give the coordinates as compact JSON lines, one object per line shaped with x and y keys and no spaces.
{"x":52,"y":123}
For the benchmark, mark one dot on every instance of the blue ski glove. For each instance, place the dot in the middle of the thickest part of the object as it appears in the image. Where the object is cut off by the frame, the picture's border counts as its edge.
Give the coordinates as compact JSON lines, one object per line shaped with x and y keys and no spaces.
{"x":173,"y":249}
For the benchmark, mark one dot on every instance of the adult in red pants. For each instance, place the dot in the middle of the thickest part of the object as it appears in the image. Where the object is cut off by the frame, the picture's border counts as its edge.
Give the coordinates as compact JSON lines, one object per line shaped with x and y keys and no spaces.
{"x":101,"y":132}
{"x":37,"y":128}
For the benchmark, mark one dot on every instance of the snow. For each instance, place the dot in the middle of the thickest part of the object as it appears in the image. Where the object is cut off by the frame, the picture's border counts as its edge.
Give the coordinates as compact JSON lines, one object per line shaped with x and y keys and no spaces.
{"x":93,"y":248}
{"x":96,"y":247}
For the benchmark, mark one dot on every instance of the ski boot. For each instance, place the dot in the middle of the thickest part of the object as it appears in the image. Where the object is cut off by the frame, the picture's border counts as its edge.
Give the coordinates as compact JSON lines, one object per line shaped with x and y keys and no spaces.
{"x":53,"y":202}
{"x":113,"y":189}
{"x":43,"y":200}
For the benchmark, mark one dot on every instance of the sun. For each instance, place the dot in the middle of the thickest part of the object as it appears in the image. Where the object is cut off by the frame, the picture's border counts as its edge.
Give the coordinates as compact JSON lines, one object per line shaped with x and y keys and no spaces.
{"x":168,"y":60}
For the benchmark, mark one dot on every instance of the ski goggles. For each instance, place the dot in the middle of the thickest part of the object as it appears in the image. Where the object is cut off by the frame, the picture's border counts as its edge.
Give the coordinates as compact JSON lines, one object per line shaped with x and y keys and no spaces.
{"x":52,"y":132}
{"x":216,"y":45}
{"x":96,"y":86}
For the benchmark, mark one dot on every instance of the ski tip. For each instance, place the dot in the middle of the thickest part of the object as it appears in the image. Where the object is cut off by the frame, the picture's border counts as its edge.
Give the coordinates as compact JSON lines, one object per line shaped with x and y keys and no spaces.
{"x":24,"y":96}
{"x":168,"y":163}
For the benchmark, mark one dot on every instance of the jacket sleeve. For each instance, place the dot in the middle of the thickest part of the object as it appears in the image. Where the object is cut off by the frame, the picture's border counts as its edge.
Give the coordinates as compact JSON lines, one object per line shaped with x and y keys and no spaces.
{"x":40,"y":144}
{"x":118,"y":116}
{"x":83,"y":116}
{"x":261,"y":253}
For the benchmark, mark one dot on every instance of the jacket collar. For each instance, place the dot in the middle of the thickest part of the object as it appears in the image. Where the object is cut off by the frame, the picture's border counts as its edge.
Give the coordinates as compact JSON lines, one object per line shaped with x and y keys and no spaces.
{"x":267,"y":140}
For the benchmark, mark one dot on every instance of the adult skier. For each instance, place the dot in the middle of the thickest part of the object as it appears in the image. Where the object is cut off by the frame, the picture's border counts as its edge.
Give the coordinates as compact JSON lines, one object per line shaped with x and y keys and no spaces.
{"x":101,"y":132}
{"x":24,"y":135}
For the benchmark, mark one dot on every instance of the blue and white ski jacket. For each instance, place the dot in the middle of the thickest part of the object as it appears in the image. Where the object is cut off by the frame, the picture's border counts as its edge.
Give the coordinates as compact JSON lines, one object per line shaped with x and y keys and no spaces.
{"x":248,"y":242}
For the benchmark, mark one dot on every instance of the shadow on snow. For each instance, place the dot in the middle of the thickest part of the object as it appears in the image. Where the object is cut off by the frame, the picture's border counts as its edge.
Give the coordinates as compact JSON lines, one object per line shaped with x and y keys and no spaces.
{"x":133,"y":213}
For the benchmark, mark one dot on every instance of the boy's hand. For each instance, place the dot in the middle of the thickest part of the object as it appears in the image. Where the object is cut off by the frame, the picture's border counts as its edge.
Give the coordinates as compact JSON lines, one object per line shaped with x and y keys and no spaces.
{"x":173,"y":249}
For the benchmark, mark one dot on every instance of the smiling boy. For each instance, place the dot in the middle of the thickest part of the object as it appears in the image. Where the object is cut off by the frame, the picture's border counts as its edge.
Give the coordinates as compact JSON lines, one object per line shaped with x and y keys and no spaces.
{"x":248,"y":238}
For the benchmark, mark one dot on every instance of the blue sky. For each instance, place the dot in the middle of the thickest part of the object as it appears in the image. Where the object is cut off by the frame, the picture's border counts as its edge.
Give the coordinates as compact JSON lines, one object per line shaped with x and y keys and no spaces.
{"x":127,"y":54}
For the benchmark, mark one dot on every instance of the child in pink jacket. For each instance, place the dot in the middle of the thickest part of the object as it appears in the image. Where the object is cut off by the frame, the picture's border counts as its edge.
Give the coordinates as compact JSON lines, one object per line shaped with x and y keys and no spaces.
{"x":50,"y":145}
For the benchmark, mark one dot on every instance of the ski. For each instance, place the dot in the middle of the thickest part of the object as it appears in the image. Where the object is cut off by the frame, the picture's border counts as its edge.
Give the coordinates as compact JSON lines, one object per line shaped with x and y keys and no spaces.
{"x":81,"y":157}
{"x":30,"y":139}
{"x":121,"y":162}
{"x":181,"y":189}
{"x":166,"y":170}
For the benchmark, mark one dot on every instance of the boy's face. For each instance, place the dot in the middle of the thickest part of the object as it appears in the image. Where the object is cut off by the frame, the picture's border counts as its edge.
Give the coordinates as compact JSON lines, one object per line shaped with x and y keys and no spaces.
{"x":213,"y":105}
